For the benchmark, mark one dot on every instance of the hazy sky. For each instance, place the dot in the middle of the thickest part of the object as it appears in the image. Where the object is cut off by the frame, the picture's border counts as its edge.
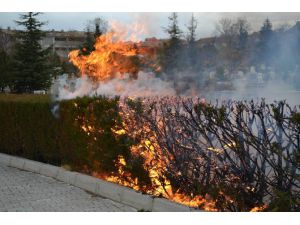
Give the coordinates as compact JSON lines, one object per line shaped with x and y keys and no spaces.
{"x":154,"y":21}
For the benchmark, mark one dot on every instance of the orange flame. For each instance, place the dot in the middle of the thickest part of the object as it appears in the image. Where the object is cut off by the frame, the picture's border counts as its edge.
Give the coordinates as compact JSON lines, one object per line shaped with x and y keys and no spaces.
{"x":258,"y":208}
{"x":116,"y":53}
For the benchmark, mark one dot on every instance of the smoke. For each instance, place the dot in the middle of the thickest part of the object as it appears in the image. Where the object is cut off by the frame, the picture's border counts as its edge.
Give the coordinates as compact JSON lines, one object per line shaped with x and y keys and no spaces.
{"x":134,"y":32}
{"x":146,"y":85}
{"x":272,"y":74}
{"x":256,"y":86}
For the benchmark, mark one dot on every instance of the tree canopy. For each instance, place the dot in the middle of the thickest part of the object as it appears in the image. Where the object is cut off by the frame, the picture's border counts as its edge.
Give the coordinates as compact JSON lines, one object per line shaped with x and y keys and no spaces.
{"x":31,"y":71}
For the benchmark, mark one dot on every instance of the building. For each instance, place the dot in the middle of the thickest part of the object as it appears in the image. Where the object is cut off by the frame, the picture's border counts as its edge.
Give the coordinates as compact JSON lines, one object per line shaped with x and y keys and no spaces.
{"x":63,"y":42}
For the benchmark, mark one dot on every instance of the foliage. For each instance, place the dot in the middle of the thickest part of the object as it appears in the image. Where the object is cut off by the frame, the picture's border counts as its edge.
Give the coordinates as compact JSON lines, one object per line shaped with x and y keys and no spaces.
{"x":241,"y":154}
{"x":266,"y":43}
{"x":55,"y":63}
{"x":94,"y":30}
{"x":23,"y":134}
{"x":30,"y":60}
{"x":82,"y":136}
{"x":191,"y":41}
{"x":172,"y":48}
{"x":5,"y":70}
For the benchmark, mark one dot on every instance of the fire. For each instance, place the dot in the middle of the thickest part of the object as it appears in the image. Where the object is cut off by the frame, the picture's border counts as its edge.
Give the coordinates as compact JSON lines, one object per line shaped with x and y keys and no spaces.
{"x":133,"y":183}
{"x":110,"y":58}
{"x":156,"y":164}
{"x":116,"y":53}
{"x":194,"y":201}
{"x":258,"y":208}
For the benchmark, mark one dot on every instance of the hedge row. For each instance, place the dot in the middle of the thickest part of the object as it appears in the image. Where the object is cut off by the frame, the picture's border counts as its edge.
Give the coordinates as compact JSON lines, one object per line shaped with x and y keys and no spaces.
{"x":241,"y":155}
{"x":80,"y":135}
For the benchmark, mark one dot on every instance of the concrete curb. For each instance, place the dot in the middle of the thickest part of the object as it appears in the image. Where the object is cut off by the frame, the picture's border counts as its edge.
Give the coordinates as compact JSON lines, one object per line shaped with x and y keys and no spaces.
{"x":97,"y":186}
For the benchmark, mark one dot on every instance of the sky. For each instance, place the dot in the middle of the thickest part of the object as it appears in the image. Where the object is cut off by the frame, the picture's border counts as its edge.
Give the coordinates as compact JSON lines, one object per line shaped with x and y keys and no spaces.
{"x":155,"y":22}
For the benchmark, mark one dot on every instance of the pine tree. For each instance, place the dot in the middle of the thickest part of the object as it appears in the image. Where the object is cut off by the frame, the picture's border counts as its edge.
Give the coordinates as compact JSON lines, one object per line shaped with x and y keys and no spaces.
{"x":100,"y":27}
{"x":192,"y":26}
{"x":266,"y":30}
{"x":5,"y":67}
{"x":191,"y":41}
{"x":266,"y":43}
{"x":55,"y":64}
{"x":173,"y":47}
{"x":5,"y":60}
{"x":31,"y":71}
{"x":92,"y":34}
{"x":88,"y":45}
{"x":242,"y":32}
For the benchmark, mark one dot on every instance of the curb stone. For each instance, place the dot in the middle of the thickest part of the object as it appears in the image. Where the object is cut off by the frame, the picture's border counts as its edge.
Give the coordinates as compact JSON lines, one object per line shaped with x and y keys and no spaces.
{"x":164,"y":205}
{"x":138,"y":200}
{"x":5,"y":159}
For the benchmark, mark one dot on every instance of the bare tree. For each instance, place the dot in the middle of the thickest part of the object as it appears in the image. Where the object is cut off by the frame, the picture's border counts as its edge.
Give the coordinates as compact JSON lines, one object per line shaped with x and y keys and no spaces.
{"x":226,"y":28}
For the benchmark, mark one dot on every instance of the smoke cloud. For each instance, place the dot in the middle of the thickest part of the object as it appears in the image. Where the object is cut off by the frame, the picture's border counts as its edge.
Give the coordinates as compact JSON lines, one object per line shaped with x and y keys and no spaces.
{"x":147,"y":85}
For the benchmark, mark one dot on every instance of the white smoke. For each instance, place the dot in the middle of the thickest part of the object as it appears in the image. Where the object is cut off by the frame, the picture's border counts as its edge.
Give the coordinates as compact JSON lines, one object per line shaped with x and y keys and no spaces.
{"x":147,"y":85}
{"x":252,"y":86}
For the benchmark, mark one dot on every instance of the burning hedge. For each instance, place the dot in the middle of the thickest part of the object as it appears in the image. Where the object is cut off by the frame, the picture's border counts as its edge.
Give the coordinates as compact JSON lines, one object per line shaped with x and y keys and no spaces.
{"x":243,"y":155}
{"x":233,"y":156}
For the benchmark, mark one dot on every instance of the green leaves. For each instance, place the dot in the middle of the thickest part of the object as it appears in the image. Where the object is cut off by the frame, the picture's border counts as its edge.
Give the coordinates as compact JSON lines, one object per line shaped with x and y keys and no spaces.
{"x":31,"y":70}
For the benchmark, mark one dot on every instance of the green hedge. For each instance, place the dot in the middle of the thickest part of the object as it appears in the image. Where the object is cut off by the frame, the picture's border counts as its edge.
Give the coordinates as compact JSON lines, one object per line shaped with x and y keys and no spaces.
{"x":29,"y":129}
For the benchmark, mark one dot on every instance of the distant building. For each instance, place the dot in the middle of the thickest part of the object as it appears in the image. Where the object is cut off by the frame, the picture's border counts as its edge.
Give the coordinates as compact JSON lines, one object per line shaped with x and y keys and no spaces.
{"x":63,"y":42}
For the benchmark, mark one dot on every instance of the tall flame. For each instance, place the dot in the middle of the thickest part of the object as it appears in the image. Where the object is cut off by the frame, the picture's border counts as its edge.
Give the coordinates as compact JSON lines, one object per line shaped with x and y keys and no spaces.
{"x":116,"y":53}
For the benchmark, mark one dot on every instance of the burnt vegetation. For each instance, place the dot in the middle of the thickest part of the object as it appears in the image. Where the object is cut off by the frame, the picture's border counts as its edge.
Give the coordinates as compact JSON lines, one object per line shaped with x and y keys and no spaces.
{"x":225,"y":156}
{"x":241,"y":154}
{"x":234,"y":156}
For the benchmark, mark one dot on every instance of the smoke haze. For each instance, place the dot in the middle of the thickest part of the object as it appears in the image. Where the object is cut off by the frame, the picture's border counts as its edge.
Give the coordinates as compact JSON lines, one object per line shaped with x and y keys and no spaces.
{"x":145,"y":86}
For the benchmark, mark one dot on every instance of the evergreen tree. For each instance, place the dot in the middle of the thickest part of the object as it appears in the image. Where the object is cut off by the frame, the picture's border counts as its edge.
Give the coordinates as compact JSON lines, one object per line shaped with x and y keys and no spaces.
{"x":192,"y":26}
{"x":173,"y":47}
{"x":31,"y":71}
{"x":100,"y":27}
{"x":191,"y":42}
{"x":97,"y":28}
{"x":88,"y":45}
{"x":266,"y":30}
{"x":266,"y":43}
{"x":5,"y":67}
{"x":242,"y":30}
{"x":55,"y":64}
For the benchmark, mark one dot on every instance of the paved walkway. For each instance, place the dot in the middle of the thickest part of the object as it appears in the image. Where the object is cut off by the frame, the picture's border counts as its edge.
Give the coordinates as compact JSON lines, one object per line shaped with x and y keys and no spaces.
{"x":30,"y":192}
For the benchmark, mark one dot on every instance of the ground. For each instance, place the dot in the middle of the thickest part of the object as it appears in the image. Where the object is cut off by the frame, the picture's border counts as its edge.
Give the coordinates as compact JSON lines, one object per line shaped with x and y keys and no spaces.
{"x":25,"y":191}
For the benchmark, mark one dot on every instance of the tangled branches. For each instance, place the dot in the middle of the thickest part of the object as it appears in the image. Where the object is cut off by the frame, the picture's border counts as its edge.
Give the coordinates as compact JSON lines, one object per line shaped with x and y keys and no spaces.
{"x":241,"y":154}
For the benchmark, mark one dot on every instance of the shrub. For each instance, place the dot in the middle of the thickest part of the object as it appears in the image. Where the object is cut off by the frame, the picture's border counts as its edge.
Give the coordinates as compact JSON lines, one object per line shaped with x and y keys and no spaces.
{"x":84,"y":135}
{"x":242,"y":155}
{"x":28,"y":128}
